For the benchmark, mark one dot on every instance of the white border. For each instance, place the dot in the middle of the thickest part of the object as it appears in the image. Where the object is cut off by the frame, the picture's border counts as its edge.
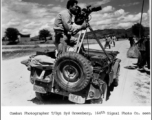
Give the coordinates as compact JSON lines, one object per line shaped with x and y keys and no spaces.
{"x":5,"y":113}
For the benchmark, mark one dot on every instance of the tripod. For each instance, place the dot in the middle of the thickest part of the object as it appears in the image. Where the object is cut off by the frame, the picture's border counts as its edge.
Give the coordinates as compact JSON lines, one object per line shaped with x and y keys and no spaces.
{"x":81,"y":38}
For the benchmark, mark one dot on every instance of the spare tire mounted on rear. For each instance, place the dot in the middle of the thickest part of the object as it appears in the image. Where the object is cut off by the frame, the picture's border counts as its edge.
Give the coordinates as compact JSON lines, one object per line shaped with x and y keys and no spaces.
{"x":72,"y":71}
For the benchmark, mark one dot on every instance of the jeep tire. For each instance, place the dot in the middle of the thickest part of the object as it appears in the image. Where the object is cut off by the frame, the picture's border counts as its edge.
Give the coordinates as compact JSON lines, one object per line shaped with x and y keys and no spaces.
{"x":72,"y":71}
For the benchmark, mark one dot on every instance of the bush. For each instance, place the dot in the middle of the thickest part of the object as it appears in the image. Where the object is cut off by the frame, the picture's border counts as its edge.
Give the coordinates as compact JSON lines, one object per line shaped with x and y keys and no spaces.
{"x":12,"y":34}
{"x":43,"y":34}
{"x":138,"y":30}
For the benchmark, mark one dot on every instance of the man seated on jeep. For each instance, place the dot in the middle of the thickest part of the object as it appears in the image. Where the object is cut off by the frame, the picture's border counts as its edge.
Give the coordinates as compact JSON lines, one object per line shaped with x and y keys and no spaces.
{"x":63,"y":27}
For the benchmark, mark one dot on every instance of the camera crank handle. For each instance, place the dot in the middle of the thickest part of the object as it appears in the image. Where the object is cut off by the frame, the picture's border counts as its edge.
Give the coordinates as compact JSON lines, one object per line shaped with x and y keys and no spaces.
{"x":98,"y":41}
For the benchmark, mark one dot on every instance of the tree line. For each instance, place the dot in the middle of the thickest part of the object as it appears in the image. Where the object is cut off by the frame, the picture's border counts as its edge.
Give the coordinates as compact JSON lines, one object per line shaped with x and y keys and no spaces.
{"x":136,"y":29}
{"x":11,"y":34}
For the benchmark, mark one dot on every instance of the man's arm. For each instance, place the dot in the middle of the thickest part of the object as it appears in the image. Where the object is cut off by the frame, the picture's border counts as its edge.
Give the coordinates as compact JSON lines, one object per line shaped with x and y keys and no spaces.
{"x":67,"y":20}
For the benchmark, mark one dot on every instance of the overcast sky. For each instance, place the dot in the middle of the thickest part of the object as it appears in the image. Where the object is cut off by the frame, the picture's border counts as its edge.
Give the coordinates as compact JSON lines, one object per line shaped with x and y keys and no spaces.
{"x":30,"y":16}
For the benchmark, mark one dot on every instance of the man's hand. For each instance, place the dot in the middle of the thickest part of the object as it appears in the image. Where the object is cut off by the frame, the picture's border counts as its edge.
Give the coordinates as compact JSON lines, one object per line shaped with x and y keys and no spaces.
{"x":74,"y":40}
{"x":84,"y":25}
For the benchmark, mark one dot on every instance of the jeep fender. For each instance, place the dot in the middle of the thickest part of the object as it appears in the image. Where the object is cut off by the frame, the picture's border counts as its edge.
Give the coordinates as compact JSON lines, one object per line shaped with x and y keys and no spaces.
{"x":96,"y":93}
{"x":113,"y":72}
{"x":115,"y":68}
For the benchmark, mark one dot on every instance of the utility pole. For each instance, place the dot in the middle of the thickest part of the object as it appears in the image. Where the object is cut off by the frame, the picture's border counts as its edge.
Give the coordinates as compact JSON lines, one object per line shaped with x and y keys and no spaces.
{"x":141,"y":19}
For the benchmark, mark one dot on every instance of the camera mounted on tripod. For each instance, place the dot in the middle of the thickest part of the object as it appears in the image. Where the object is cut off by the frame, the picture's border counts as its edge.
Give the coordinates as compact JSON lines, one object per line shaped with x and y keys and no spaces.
{"x":83,"y":14}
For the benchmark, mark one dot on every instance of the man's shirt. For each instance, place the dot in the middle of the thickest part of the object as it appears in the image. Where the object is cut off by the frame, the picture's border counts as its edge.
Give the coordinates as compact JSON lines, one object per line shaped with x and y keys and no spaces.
{"x":108,"y":39}
{"x":63,"y":22}
{"x":141,"y":44}
{"x":114,"y":38}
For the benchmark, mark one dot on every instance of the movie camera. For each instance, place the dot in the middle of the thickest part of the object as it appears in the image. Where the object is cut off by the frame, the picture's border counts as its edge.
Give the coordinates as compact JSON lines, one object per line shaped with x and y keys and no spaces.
{"x":83,"y":14}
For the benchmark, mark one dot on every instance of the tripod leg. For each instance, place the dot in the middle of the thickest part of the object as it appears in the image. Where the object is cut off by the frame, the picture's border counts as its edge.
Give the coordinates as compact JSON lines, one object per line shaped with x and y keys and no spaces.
{"x":98,"y":41}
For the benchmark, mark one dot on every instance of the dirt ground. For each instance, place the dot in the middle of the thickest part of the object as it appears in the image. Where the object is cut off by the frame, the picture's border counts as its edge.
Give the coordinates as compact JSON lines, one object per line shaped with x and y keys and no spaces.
{"x":133,"y":89}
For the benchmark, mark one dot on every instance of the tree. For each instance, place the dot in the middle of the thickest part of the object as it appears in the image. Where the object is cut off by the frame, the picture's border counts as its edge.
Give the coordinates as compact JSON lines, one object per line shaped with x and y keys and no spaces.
{"x":3,"y":38}
{"x":12,"y":34}
{"x":44,"y":33}
{"x":126,"y":36}
{"x":138,"y":30}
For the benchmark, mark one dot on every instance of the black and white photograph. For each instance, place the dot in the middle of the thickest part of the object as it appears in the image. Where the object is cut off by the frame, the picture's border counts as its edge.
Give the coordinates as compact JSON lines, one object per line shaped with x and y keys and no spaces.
{"x":76,"y":53}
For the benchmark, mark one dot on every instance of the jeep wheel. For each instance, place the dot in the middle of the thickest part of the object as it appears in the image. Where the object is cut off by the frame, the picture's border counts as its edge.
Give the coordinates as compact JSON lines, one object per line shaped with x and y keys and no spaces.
{"x":41,"y":96}
{"x":104,"y":96}
{"x":72,"y":71}
{"x":96,"y":101}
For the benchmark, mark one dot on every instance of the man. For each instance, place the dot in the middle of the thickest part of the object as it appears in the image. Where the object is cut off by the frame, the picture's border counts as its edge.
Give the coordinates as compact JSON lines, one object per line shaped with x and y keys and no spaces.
{"x":113,"y":40}
{"x":132,"y":42}
{"x":63,"y":27}
{"x":147,"y":45}
{"x":142,"y":57}
{"x":107,"y":40}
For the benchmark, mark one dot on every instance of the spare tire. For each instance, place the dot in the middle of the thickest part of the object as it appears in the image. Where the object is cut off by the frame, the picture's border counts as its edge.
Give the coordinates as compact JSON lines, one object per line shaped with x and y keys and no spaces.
{"x":72,"y":71}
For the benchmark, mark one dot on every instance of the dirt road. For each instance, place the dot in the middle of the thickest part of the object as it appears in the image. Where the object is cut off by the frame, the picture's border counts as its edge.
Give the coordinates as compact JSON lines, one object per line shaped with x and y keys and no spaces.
{"x":133,"y":88}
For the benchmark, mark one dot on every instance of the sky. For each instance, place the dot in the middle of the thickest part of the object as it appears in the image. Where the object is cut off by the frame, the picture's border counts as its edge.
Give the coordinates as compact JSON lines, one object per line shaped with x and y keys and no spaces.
{"x":31,"y":16}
